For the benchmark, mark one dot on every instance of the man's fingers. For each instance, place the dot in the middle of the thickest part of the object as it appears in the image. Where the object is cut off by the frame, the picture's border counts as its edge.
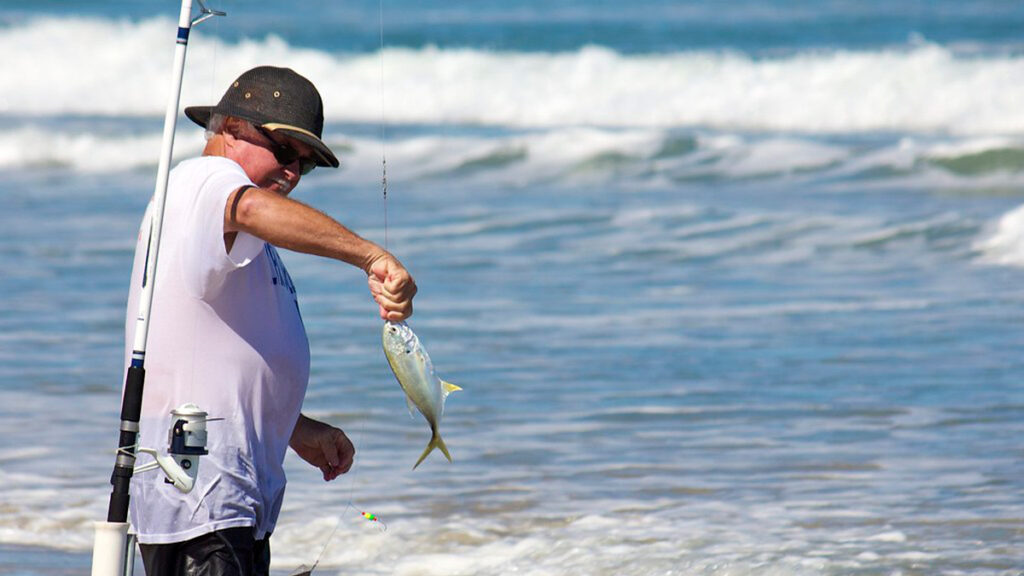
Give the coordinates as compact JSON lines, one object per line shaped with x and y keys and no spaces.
{"x":399,"y":284}
{"x":339,"y":454}
{"x":346,"y":464}
{"x":393,"y":288}
{"x":328,"y":447}
{"x":392,"y":306}
{"x":394,"y":311}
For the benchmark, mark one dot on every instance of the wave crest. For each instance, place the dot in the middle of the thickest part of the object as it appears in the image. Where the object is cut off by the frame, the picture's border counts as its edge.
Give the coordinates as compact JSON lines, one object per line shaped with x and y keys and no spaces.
{"x":920,"y":88}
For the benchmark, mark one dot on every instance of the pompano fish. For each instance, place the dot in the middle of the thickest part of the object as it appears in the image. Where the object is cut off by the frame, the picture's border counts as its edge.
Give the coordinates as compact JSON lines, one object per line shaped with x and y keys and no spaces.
{"x":415,"y":372}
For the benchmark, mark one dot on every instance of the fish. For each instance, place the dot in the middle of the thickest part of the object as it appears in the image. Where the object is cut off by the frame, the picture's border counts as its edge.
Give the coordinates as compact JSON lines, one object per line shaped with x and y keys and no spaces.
{"x":415,"y":373}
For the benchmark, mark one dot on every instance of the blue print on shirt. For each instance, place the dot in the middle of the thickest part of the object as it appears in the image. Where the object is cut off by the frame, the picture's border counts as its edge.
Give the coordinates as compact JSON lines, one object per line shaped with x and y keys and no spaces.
{"x":279,"y":274}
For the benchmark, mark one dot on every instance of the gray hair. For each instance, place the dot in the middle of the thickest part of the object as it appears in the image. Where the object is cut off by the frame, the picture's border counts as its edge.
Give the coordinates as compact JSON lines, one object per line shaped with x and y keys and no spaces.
{"x":214,"y":125}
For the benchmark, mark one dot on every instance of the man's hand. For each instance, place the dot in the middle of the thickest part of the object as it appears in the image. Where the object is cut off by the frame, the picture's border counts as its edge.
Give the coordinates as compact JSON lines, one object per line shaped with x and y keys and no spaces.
{"x":323,"y":446}
{"x":392,"y":287}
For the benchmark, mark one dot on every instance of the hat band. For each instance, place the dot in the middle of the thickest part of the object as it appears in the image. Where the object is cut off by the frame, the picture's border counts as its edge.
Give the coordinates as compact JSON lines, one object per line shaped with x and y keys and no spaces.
{"x":275,"y":126}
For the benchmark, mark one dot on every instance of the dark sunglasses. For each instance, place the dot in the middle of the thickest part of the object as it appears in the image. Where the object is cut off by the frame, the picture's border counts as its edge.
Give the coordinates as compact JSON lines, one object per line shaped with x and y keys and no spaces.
{"x":285,"y":154}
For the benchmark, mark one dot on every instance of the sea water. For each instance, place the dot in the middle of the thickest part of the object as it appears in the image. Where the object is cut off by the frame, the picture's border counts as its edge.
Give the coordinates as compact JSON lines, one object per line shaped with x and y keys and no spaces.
{"x":731,"y":288}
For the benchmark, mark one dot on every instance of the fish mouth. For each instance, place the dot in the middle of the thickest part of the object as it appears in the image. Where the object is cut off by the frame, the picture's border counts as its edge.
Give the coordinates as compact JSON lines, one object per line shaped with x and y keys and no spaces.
{"x":402,"y":331}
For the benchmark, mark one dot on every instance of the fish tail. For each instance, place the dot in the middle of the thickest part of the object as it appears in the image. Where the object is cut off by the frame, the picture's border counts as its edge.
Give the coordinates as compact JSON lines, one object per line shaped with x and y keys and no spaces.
{"x":435,"y":442}
{"x":444,"y":449}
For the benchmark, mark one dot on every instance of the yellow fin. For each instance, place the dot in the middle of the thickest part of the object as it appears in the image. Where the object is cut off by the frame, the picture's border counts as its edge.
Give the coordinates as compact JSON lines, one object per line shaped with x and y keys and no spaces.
{"x":449,"y":387}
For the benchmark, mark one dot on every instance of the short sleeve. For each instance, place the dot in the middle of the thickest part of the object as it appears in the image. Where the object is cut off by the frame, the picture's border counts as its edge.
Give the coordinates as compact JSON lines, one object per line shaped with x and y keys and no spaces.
{"x":205,"y":260}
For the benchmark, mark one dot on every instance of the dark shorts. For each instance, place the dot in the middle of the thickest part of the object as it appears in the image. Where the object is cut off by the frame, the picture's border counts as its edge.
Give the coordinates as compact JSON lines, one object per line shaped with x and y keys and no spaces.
{"x":229,"y":552}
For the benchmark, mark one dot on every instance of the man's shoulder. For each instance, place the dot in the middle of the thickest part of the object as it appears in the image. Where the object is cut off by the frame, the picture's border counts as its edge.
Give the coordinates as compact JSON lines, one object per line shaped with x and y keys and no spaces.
{"x":208,"y":173}
{"x":208,"y":165}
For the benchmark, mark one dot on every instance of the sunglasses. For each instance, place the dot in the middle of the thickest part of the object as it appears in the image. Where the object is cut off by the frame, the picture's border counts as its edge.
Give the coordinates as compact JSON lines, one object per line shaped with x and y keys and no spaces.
{"x":285,"y":154}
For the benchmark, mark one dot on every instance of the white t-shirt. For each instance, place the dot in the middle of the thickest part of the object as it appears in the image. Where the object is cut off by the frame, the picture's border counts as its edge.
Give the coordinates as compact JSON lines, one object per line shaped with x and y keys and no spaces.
{"x":226,"y":334}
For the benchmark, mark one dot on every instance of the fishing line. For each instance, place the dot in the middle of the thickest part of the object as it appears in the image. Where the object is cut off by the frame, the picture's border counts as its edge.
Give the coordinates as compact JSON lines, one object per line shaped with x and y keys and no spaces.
{"x":350,"y":504}
{"x":383,"y":155}
{"x":303,"y":571}
{"x":384,"y":189}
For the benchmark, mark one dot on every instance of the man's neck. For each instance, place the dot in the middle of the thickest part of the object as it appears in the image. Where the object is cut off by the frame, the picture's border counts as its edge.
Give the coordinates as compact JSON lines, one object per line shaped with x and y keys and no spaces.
{"x":215,"y":146}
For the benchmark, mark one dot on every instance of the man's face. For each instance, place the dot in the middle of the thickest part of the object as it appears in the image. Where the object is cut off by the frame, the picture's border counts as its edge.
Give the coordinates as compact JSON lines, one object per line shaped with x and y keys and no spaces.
{"x":262,"y":155}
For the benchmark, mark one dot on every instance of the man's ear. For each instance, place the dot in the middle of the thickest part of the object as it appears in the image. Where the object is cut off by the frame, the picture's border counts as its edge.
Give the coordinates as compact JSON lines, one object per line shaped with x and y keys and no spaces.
{"x":229,"y":138}
{"x":229,"y":131}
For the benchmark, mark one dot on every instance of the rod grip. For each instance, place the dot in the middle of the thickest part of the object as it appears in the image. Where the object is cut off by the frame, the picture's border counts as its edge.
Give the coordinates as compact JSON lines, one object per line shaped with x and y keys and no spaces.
{"x":117,"y":511}
{"x":124,"y":467}
{"x":131,"y":403}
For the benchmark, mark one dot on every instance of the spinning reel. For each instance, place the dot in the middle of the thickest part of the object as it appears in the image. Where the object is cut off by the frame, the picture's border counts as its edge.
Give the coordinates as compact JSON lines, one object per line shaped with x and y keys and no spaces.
{"x":186,"y":440}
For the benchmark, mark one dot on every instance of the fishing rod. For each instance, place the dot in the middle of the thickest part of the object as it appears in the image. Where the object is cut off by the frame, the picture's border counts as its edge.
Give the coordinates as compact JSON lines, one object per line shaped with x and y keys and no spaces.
{"x":113,"y":548}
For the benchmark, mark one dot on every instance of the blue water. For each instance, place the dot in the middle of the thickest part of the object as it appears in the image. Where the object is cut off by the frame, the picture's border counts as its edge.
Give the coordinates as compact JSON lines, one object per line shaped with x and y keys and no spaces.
{"x":645,"y":26}
{"x":727,"y":290}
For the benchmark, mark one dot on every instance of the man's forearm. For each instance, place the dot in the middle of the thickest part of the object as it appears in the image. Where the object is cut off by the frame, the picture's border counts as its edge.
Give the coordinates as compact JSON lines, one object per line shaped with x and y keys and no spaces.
{"x":292,"y":225}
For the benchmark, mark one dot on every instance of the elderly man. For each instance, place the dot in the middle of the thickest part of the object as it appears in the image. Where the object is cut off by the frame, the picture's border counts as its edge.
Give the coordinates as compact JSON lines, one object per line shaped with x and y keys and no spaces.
{"x":226,"y":330}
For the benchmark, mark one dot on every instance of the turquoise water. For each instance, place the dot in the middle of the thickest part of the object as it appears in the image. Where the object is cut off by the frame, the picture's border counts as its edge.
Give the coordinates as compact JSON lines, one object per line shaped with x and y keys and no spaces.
{"x":728,"y":292}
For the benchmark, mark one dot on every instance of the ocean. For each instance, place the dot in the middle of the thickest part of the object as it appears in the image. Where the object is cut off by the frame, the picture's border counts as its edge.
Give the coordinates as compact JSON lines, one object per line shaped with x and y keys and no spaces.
{"x":730,"y":288}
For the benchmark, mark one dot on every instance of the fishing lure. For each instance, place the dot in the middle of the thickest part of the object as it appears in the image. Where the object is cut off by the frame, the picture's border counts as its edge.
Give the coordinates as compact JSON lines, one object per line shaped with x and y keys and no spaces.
{"x":373,"y":518}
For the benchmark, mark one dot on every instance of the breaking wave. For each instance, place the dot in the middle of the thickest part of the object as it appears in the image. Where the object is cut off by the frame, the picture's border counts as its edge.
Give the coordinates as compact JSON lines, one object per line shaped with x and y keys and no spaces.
{"x":919,"y":87}
{"x":565,"y":155}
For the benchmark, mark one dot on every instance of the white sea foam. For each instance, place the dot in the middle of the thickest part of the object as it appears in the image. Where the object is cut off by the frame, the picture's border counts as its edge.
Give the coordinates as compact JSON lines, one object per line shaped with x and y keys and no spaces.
{"x":592,"y":115}
{"x":1004,"y":244}
{"x":892,"y":536}
{"x":566,"y":155}
{"x":921,"y":87}
{"x":35,"y":147}
{"x":784,"y":155}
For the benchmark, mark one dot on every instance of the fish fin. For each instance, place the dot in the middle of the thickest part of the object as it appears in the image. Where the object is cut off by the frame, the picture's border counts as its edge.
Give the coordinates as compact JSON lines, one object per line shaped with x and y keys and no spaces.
{"x":412,"y":407}
{"x":435,"y":442}
{"x":444,"y":449}
{"x":448,"y":387}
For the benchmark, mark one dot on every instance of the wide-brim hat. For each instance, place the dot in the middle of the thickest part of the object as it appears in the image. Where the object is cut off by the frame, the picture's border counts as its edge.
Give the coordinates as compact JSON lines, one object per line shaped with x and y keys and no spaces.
{"x":278,"y":100}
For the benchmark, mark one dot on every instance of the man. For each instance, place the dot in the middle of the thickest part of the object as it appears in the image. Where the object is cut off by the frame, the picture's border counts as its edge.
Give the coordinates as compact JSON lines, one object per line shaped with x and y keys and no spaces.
{"x":226,"y":332}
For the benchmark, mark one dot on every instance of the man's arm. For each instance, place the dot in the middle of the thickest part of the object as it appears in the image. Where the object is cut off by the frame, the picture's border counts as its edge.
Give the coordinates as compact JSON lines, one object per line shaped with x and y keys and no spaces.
{"x":290,"y":224}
